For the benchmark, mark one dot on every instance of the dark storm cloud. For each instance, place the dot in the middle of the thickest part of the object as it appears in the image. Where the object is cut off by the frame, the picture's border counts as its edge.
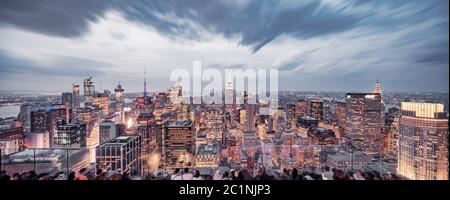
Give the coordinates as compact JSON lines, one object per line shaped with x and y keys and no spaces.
{"x":60,"y":18}
{"x":67,"y":66}
{"x":256,"y":22}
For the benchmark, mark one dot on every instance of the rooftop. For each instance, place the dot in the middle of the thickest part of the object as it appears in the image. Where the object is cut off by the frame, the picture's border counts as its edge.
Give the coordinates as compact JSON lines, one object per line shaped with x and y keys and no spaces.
{"x":121,"y":140}
{"x":42,"y":155}
{"x":180,"y":123}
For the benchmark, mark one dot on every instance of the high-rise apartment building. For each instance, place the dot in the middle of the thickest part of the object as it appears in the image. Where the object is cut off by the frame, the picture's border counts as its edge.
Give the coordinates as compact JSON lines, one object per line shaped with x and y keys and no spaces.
{"x":423,"y":141}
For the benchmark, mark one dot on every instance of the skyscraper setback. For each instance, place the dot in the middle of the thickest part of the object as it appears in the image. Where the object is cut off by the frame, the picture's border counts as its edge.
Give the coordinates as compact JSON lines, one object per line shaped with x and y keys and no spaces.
{"x":423,"y":141}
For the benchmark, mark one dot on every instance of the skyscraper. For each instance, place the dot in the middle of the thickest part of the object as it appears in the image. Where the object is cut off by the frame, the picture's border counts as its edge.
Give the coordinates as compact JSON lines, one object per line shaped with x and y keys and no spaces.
{"x":340,"y":112}
{"x":249,"y":123}
{"x":38,"y":121}
{"x":67,"y":100}
{"x":301,"y":108}
{"x":179,"y":142}
{"x":75,"y":96}
{"x":101,"y":101}
{"x":423,"y":141}
{"x":377,"y":88}
{"x":25,"y":116}
{"x":88,"y":91}
{"x":119,"y":99}
{"x":317,"y":109}
{"x":364,"y":121}
{"x":229,"y":96}
{"x":145,"y":128}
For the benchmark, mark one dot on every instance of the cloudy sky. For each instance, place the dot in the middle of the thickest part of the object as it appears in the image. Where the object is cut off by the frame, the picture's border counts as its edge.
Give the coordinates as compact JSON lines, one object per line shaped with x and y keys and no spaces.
{"x":328,"y":45}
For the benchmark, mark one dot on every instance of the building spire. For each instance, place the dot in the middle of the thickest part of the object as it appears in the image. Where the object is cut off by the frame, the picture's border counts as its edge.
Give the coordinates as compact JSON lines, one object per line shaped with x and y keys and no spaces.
{"x":377,"y":88}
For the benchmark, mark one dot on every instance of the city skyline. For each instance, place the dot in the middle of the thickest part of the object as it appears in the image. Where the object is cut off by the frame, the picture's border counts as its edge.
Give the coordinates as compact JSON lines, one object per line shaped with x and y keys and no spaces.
{"x":348,"y":46}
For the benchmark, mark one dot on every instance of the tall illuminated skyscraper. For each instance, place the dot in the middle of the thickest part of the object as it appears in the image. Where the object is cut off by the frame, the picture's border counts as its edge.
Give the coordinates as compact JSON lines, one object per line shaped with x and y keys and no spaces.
{"x":423,"y":141}
{"x":377,"y":88}
{"x":119,"y":97}
{"x":229,"y":97}
{"x":75,"y":96}
{"x":364,"y":121}
{"x":249,"y":118}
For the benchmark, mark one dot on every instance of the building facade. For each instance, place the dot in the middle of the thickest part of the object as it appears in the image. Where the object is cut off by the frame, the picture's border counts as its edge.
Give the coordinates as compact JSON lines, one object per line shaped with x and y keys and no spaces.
{"x":71,"y":135}
{"x":423,"y":141}
{"x":364,"y":121}
{"x":122,"y":153}
{"x":179,"y":142}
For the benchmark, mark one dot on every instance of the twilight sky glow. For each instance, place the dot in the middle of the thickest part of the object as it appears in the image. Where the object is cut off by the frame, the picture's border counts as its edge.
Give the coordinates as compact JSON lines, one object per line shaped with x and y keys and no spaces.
{"x":328,"y":45}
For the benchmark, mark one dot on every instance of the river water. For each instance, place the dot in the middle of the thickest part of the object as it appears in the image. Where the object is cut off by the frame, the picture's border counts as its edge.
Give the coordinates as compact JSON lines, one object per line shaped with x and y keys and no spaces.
{"x":9,"y":111}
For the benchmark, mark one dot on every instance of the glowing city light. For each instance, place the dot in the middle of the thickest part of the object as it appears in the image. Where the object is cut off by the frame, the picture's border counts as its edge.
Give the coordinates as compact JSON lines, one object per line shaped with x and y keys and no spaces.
{"x":129,"y":123}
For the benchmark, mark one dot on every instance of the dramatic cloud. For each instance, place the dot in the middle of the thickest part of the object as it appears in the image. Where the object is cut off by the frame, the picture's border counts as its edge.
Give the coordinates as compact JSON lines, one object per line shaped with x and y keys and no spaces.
{"x":326,"y":45}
